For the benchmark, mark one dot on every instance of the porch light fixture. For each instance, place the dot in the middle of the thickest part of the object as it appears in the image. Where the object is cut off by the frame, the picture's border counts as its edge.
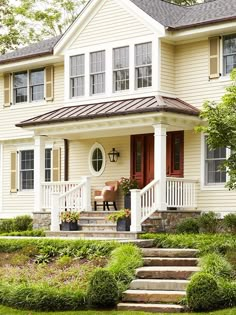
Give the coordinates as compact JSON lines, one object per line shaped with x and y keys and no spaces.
{"x":113,"y":155}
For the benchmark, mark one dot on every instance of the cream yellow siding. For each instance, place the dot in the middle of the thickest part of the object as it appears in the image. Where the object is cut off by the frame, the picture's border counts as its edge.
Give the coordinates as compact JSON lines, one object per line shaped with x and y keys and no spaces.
{"x":79,"y":161}
{"x":112,"y":22}
{"x":19,"y":112}
{"x":167,"y":67}
{"x":208,"y":198}
{"x":192,"y":82}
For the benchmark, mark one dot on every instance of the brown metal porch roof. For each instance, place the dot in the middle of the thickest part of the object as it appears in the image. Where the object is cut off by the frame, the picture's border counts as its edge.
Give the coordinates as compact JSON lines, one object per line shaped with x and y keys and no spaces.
{"x":113,"y":108}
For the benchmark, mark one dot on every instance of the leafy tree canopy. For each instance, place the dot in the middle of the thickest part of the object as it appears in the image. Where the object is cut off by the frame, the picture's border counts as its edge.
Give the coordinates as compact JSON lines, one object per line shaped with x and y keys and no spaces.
{"x":221,"y":127}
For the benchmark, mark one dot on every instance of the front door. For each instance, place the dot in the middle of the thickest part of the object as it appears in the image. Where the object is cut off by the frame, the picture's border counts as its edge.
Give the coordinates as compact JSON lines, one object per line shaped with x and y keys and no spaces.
{"x":142,"y":156}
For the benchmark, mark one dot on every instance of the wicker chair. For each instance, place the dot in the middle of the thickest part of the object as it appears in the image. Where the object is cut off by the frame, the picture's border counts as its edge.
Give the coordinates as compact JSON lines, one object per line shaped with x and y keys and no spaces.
{"x":107,"y":196}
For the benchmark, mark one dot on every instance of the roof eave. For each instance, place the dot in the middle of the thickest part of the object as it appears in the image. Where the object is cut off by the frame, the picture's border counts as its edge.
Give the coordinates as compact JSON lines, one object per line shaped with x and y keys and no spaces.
{"x":16,"y":59}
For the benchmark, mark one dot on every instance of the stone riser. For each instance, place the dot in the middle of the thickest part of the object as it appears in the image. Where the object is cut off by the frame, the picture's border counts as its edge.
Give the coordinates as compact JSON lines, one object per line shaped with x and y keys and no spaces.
{"x":154,"y":308}
{"x":156,"y":261}
{"x":157,"y":284}
{"x":96,"y":220}
{"x":146,"y":296}
{"x":96,"y":228}
{"x":170,"y":253}
{"x":95,"y":234}
{"x":102,"y":214}
{"x":183,"y":273}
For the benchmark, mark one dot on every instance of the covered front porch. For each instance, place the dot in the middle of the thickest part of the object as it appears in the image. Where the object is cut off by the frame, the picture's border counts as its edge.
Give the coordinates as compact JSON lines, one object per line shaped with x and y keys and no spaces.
{"x":161,"y":189}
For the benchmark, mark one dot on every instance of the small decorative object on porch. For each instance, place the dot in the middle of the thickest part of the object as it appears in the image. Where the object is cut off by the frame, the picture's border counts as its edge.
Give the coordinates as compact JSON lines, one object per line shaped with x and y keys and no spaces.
{"x":122,"y":219}
{"x":126,"y":184}
{"x":113,"y":155}
{"x":69,"y":221}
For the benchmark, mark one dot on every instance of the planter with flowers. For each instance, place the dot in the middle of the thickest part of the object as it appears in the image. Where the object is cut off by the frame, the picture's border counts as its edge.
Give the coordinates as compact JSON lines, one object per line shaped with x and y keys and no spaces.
{"x":125,"y":185}
{"x":122,"y":219}
{"x":69,"y":220}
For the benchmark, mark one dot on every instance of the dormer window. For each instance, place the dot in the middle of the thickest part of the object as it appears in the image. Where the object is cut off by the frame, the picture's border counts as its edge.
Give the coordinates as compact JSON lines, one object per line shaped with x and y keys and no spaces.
{"x":121,"y":68}
{"x":143,"y":65}
{"x":97,"y":72}
{"x":77,"y":75}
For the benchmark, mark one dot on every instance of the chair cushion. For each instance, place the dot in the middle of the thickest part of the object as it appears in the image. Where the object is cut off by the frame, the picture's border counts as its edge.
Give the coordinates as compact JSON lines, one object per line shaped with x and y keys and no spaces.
{"x":98,"y":198}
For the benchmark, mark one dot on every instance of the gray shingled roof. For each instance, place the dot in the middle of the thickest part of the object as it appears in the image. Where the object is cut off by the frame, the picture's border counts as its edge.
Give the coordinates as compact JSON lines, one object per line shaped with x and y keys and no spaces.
{"x":41,"y":48}
{"x":140,"y":105}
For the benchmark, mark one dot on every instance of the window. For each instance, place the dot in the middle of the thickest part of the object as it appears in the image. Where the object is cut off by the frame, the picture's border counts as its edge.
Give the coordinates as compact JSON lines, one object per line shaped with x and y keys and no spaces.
{"x":229,"y":52}
{"x":27,"y":169}
{"x":20,"y":87}
{"x":37,"y":85}
{"x":48,"y":161}
{"x":77,"y":69}
{"x":121,"y":68}
{"x":213,"y":160}
{"x":143,"y":63}
{"x":97,"y":72}
{"x":97,"y":159}
{"x":28,"y":85}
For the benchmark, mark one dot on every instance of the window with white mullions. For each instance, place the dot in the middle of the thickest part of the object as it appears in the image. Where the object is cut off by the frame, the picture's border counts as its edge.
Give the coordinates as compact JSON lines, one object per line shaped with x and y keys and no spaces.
{"x":20,"y":87}
{"x":37,"y":85}
{"x":229,"y":52}
{"x":97,"y":72}
{"x":48,"y":165}
{"x":27,"y":169}
{"x":77,"y":69}
{"x":143,"y":65}
{"x":214,"y":174}
{"x":121,"y":68}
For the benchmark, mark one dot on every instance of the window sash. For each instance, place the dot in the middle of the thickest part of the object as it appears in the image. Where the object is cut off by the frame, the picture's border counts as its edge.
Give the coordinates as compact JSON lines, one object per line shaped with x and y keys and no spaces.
{"x":97,"y":72}
{"x":143,"y":65}
{"x":77,"y":75}
{"x":36,"y":85}
{"x":48,"y":165}
{"x":27,"y":169}
{"x":229,"y":53}
{"x":121,"y":68}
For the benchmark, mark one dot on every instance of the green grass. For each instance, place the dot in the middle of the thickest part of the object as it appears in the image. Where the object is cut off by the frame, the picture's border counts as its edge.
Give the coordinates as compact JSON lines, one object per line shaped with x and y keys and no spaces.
{"x":9,"y":311}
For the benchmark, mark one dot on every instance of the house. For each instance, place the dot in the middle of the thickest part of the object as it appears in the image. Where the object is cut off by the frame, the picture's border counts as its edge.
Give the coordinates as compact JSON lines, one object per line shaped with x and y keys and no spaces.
{"x":130,"y":75}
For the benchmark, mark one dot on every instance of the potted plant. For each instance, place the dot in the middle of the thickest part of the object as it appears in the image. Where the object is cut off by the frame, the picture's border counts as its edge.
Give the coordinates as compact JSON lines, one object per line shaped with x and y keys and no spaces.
{"x":122,"y":219}
{"x":69,"y":220}
{"x":125,"y":185}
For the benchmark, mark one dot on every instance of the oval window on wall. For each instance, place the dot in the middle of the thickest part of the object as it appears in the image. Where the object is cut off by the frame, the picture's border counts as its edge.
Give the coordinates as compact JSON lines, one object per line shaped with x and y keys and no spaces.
{"x":97,"y":159}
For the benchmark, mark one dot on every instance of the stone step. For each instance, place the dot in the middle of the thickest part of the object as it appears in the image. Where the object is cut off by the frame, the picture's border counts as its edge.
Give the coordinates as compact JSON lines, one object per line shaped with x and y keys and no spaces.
{"x":169,"y":252}
{"x":98,"y":235}
{"x":164,"y":261}
{"x":97,"y":227}
{"x":100,"y":214}
{"x":153,"y":296}
{"x":165,"y":272}
{"x":94,"y":220}
{"x":159,"y":284}
{"x":152,"y":308}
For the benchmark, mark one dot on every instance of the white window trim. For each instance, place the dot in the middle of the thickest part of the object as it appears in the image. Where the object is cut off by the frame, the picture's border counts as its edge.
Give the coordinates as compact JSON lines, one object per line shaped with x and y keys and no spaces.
{"x":92,"y":171}
{"x":220,"y":186}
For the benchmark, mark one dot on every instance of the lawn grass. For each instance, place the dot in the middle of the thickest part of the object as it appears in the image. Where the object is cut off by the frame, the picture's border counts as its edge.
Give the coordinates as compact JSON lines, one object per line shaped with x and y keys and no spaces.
{"x":9,"y":311}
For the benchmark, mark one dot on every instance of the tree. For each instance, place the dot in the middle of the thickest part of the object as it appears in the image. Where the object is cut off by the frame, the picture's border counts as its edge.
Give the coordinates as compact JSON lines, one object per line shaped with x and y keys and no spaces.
{"x":221,"y":127}
{"x":28,"y":21}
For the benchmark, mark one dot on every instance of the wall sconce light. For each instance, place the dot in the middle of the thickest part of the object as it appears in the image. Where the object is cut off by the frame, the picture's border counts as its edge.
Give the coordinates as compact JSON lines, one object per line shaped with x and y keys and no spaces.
{"x":113,"y":155}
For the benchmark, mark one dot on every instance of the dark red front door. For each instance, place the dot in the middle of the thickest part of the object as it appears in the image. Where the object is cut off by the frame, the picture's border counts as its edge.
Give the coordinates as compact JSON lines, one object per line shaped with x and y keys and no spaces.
{"x":142,"y":156}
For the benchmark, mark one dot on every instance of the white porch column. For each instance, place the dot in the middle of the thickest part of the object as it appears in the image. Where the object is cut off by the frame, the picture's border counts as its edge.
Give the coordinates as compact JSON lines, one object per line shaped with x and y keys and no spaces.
{"x":135,"y":211}
{"x":55,"y":212}
{"x":160,"y":164}
{"x":39,"y":171}
{"x":87,"y":194}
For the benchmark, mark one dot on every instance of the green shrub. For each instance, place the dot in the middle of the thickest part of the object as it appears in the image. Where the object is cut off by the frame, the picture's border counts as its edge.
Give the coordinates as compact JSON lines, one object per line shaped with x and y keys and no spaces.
{"x":23,"y":223}
{"x":203,"y":292}
{"x":216,"y":265}
{"x":124,"y":260}
{"x":229,"y":222}
{"x":33,"y":233}
{"x":208,"y":222}
{"x":103,"y":289}
{"x":227,"y":293}
{"x":189,"y":226}
{"x":6,"y":226}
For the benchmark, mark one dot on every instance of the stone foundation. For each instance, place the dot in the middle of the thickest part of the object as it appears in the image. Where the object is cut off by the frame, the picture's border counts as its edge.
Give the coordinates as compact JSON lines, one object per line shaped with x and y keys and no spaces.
{"x":166,"y":221}
{"x":42,"y":220}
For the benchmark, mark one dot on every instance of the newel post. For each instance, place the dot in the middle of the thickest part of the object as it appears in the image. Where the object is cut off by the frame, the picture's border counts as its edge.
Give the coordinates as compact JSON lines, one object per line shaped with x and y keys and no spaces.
{"x":135,"y":210}
{"x":55,"y":212}
{"x":87,"y":194}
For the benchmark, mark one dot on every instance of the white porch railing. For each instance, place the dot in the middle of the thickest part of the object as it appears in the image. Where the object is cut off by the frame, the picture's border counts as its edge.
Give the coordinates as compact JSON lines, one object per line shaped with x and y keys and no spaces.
{"x":74,"y":199}
{"x":148,"y":200}
{"x":49,"y":188}
{"x":180,"y":192}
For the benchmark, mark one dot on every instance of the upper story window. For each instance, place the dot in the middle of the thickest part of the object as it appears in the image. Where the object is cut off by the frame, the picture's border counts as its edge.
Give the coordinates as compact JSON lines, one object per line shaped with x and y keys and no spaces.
{"x":77,"y":69}
{"x":143,"y":65}
{"x":28,"y":85}
{"x":213,"y":160}
{"x":229,"y":53}
{"x":97,"y":72}
{"x":121,"y":68}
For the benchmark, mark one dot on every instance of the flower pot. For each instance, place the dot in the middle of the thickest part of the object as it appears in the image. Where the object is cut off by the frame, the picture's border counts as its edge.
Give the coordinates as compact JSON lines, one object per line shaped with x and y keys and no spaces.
{"x":127,"y":201}
{"x":69,"y":226}
{"x":123,"y":224}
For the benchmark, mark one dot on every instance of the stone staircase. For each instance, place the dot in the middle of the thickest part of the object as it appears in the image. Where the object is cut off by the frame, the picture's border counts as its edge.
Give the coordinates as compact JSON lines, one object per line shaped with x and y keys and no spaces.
{"x":161,"y":283}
